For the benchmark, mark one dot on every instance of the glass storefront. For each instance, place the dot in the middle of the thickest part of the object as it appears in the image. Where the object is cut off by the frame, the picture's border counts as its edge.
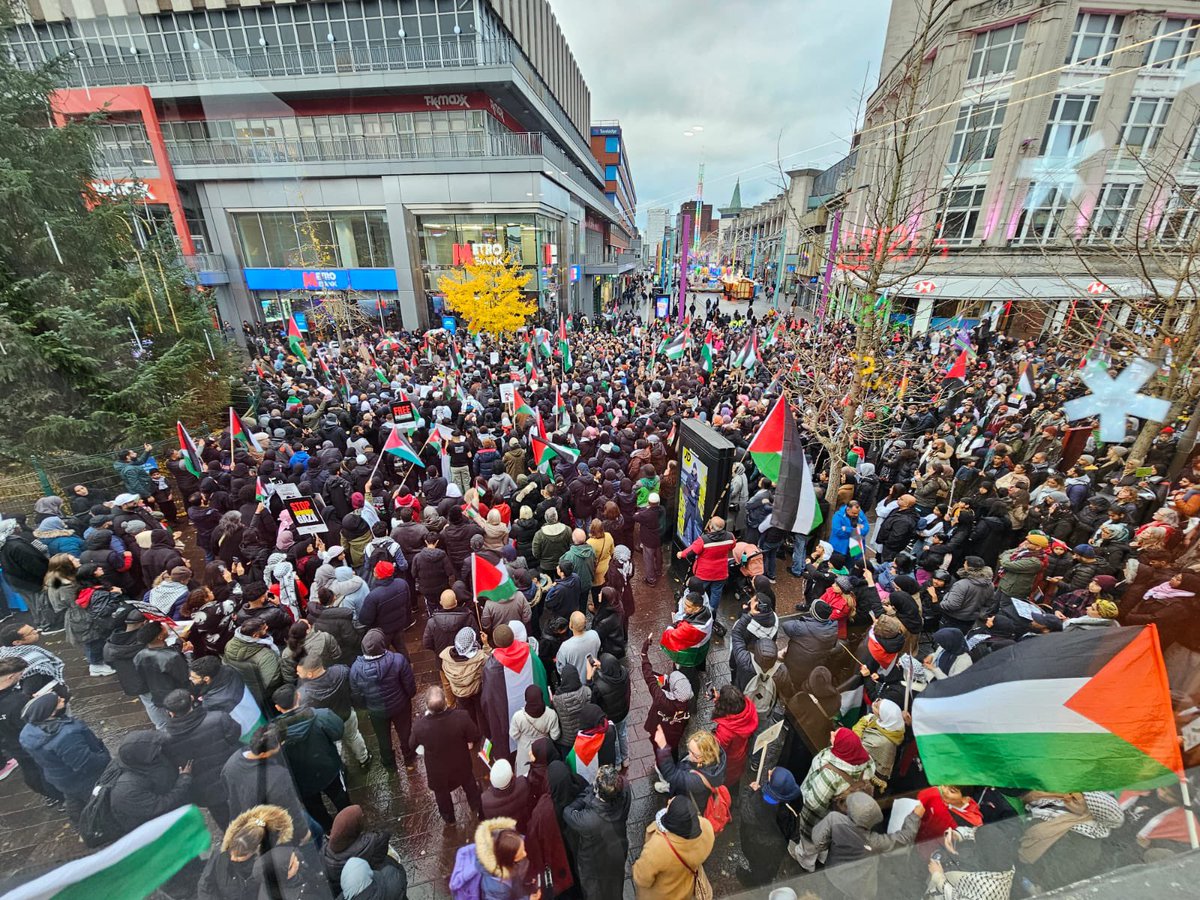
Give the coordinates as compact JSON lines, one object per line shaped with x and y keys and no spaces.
{"x":322,"y":238}
{"x":526,"y":236}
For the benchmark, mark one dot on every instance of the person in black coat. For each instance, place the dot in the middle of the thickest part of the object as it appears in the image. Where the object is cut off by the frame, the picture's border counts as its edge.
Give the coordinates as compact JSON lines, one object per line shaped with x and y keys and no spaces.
{"x":444,"y":624}
{"x":229,"y":872}
{"x":206,"y":738}
{"x":608,"y":621}
{"x":598,"y":819}
{"x":899,"y":529}
{"x":258,"y":776}
{"x":386,"y":607}
{"x":150,"y":784}
{"x":348,"y":840}
{"x":508,"y":795}
{"x":338,"y":621}
{"x":611,"y":690}
{"x":448,"y":738}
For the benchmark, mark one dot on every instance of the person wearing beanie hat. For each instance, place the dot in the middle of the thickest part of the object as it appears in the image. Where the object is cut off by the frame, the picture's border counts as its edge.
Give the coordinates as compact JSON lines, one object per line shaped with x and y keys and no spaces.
{"x":833,"y":772}
{"x":677,"y":843}
{"x":68,"y":754}
{"x":1020,"y":566}
{"x":387,"y":606}
{"x":765,"y":823}
{"x":651,"y":520}
{"x":508,"y":796}
{"x":382,"y":682}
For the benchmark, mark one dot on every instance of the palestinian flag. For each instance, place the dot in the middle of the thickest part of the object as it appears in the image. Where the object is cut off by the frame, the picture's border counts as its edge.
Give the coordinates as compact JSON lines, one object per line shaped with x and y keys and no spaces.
{"x":397,"y":445}
{"x":675,"y":347}
{"x":295,"y":341}
{"x":530,"y":364}
{"x":545,"y":451}
{"x":959,"y":369}
{"x":239,"y":431}
{"x":541,"y":426}
{"x":380,"y":375}
{"x":455,"y":358}
{"x":129,"y":869}
{"x":1077,"y":711}
{"x":706,"y":352}
{"x":796,"y":508}
{"x":564,"y":348}
{"x":560,"y":408}
{"x":248,"y":716}
{"x":584,"y":758}
{"x":191,"y":456}
{"x":685,"y":643}
{"x":491,"y":580}
{"x":520,"y":407}
{"x":260,"y":492}
{"x":541,"y":339}
{"x":766,"y":447}
{"x":503,"y":691}
{"x":775,"y":335}
{"x":747,"y":357}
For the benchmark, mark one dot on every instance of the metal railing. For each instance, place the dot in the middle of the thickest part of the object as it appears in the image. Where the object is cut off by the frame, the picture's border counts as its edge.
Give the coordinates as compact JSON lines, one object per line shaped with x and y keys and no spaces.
{"x":207,"y":64}
{"x":205,"y":262}
{"x":352,"y":148}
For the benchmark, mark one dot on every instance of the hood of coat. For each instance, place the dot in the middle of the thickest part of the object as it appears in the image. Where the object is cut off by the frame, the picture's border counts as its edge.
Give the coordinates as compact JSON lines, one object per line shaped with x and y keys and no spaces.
{"x":863,"y":810}
{"x":554,"y":529}
{"x":187,"y":724}
{"x":161,"y":537}
{"x":743,"y":722}
{"x":485,"y":843}
{"x":98,"y":539}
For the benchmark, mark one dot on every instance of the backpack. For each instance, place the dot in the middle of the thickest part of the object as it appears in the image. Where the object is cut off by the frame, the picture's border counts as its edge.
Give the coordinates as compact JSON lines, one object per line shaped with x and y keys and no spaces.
{"x":866,"y":786}
{"x":466,"y":882}
{"x":97,"y":825}
{"x":716,"y":810}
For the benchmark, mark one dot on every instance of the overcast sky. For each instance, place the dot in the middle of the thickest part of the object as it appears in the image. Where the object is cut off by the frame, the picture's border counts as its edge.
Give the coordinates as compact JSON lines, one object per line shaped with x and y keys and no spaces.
{"x":764,"y":78}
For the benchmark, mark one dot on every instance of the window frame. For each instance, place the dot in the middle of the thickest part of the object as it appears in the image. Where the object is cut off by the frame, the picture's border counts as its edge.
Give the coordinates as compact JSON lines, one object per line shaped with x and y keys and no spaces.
{"x":967,"y":125}
{"x":1055,"y":206}
{"x":1080,"y":128}
{"x":1177,"y":57}
{"x":1125,"y":211}
{"x":1109,"y":39}
{"x":968,"y":212}
{"x":1153,"y":129}
{"x":987,"y":42}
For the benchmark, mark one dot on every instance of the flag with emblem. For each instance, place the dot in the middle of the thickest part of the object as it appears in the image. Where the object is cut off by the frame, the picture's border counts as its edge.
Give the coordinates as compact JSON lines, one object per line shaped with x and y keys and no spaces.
{"x":520,"y":407}
{"x":544,"y":453}
{"x":747,"y":357}
{"x":707,"y":355}
{"x":491,"y":580}
{"x":1086,"y":710}
{"x":675,"y":347}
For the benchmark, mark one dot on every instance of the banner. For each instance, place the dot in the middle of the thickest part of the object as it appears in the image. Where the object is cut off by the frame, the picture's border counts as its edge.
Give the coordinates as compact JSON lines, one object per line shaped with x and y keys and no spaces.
{"x":306,"y":516}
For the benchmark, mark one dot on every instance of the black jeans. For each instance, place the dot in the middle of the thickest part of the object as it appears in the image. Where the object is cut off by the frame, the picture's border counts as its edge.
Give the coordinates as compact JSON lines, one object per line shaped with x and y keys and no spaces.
{"x":336,"y":792}
{"x":445,"y":800}
{"x":383,"y":723}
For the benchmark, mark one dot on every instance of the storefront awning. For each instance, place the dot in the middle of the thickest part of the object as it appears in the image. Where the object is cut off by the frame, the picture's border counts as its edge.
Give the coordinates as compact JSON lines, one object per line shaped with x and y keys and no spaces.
{"x":1031,"y":287}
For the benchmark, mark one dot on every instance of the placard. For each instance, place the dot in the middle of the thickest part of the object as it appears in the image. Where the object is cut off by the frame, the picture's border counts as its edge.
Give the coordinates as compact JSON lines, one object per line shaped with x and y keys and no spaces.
{"x":507,"y":392}
{"x":402,"y":410}
{"x":284,"y":490}
{"x":764,"y":740}
{"x":306,"y":516}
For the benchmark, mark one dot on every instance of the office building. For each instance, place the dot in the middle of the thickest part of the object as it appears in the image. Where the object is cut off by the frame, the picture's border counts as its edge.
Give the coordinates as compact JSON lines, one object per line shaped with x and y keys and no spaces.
{"x":1056,"y":160}
{"x":369,"y":146}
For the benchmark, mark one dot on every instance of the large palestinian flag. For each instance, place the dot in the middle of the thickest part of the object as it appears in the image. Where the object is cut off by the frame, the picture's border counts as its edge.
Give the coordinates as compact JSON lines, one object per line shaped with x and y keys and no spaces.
{"x":397,"y":445}
{"x":520,"y":407}
{"x":503,"y":691}
{"x":686,"y":643}
{"x":778,"y":454}
{"x":1078,"y":711}
{"x":747,"y":357}
{"x":706,"y":353}
{"x":564,"y":347}
{"x":545,"y":451}
{"x":675,"y":347}
{"x":295,"y":341}
{"x":584,"y":758}
{"x":129,"y":869}
{"x":191,"y":456}
{"x":766,"y":447}
{"x":491,"y":580}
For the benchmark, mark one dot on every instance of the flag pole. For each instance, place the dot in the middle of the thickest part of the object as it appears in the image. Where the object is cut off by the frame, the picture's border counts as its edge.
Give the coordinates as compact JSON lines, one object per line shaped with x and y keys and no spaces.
{"x":1186,"y":796}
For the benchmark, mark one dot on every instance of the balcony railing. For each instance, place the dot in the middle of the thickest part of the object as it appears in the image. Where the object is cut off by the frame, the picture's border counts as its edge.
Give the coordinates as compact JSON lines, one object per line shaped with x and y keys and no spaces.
{"x":207,"y":64}
{"x":205,"y":262}
{"x":352,"y":148}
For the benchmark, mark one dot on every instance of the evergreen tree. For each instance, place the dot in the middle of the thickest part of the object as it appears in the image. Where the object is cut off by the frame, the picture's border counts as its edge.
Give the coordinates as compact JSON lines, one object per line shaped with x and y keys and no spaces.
{"x":70,"y":372}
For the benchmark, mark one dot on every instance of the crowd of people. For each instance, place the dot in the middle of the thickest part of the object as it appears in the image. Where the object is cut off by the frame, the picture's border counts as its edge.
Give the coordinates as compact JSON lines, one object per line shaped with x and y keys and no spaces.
{"x":964,"y":523}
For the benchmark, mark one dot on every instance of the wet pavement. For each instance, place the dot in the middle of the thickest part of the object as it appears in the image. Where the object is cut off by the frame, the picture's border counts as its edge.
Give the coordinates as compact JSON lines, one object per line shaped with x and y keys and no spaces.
{"x":34,"y":835}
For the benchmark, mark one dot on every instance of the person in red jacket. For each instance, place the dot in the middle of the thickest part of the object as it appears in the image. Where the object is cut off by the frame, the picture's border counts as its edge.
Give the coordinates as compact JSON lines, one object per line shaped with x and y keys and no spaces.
{"x":946,"y":808}
{"x":712,"y":551}
{"x":736,"y":720}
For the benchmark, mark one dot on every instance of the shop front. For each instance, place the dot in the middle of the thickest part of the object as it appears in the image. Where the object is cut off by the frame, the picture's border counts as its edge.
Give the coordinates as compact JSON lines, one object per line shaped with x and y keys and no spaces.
{"x":282,"y":292}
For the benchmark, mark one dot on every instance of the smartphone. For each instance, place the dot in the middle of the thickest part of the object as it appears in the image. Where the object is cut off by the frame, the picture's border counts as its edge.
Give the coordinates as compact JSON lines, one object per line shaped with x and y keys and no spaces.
{"x":591,"y":660}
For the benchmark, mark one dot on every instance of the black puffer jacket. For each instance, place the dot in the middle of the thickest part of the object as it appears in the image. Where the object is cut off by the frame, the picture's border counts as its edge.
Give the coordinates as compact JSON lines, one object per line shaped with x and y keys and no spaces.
{"x":443,"y":625}
{"x":610,"y":688}
{"x":338,"y":621}
{"x":456,"y":540}
{"x":119,"y":651}
{"x":149,"y":784}
{"x":161,"y":557}
{"x":207,"y":737}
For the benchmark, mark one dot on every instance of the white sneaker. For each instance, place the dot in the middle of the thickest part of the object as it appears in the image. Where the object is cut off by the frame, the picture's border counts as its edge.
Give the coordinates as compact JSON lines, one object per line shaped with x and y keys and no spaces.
{"x":662,"y":787}
{"x":101,"y":670}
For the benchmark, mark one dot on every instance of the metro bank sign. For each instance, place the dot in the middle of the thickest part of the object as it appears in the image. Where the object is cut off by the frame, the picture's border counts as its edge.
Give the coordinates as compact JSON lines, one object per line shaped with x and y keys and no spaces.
{"x":320,"y":279}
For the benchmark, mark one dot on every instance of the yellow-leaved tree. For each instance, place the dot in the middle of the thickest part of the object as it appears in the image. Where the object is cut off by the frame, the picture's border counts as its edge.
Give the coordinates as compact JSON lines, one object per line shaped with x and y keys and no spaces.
{"x":488,"y":294}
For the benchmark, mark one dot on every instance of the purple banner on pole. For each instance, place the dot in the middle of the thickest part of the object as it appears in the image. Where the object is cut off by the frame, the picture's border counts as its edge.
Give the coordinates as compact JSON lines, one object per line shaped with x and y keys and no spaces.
{"x":685,"y":241}
{"x":835,"y":231}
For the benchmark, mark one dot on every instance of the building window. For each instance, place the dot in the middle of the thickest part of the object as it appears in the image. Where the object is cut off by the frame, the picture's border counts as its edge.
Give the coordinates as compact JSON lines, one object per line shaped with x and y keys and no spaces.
{"x":1178,"y":223}
{"x":350,"y":239}
{"x":1174,"y":43}
{"x":1144,"y":124}
{"x":996,"y":52}
{"x":1042,"y":218}
{"x":1114,"y":210}
{"x":610,"y":173}
{"x":1069,"y":124}
{"x":960,"y":213}
{"x":1094,"y":39}
{"x":612,"y":145}
{"x":977,"y":132}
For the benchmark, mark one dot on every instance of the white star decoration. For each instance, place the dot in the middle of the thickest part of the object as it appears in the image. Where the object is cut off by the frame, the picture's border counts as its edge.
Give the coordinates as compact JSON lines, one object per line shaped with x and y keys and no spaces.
{"x":1113,"y":399}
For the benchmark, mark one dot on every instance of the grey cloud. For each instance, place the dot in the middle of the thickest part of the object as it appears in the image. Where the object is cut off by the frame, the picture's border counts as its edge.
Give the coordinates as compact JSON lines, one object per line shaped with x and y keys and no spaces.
{"x":747,"y":71}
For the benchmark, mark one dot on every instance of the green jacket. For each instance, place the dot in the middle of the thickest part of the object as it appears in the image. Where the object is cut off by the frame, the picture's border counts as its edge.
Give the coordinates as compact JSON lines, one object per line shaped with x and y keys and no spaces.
{"x":135,"y":478}
{"x":258,"y":665}
{"x":583,"y":558}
